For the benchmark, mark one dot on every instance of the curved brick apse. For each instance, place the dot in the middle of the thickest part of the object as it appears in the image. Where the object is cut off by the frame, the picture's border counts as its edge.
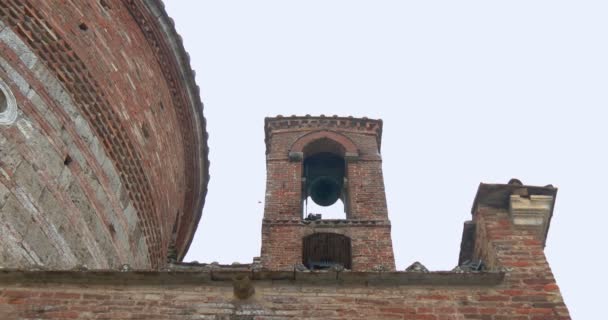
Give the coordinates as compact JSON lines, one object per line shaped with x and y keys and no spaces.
{"x":103,"y":154}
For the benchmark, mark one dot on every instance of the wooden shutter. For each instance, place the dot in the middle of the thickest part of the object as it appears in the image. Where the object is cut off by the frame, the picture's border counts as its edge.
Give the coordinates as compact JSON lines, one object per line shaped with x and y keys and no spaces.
{"x":322,"y":250}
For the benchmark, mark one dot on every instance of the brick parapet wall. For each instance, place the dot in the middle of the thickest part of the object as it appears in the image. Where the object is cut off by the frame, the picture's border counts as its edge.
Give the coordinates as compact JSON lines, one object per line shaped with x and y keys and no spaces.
{"x":278,"y":295}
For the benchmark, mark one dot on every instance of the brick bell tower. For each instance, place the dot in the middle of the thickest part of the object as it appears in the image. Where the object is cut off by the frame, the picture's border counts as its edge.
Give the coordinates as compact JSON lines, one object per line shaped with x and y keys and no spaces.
{"x":327,"y":159}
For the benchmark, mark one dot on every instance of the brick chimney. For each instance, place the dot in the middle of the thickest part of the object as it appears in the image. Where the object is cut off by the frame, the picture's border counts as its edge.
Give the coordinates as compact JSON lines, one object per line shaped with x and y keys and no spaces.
{"x":327,"y":157}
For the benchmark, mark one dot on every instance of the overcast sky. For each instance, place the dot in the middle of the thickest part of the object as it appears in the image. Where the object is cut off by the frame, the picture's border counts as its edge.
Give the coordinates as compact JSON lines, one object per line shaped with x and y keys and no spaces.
{"x":469,"y":91}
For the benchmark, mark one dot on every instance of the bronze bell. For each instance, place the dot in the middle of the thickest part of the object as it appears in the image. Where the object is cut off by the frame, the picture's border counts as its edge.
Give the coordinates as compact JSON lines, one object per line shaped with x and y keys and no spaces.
{"x":325,"y":190}
{"x":324,"y":173}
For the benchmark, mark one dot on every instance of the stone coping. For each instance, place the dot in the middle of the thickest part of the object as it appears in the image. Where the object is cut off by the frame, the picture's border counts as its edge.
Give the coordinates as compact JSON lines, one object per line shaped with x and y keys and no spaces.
{"x":225,"y":277}
{"x":498,"y":195}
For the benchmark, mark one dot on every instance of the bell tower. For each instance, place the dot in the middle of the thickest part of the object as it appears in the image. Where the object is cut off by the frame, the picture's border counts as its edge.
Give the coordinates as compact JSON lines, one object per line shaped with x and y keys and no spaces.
{"x":325,"y":159}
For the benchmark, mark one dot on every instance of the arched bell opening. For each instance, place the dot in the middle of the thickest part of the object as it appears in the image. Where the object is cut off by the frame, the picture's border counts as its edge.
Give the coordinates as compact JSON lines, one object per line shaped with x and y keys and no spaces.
{"x":313,"y":211}
{"x":326,"y":250}
{"x":324,"y":180}
{"x":324,"y":145}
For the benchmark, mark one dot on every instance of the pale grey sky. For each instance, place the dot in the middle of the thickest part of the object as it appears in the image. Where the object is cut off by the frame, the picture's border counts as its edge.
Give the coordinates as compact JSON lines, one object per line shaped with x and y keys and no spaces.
{"x":469,"y":91}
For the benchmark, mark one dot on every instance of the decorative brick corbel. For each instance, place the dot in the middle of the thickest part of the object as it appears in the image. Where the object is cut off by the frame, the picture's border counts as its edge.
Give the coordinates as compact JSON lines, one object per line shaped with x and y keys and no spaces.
{"x":295,"y":156}
{"x":242,"y":287}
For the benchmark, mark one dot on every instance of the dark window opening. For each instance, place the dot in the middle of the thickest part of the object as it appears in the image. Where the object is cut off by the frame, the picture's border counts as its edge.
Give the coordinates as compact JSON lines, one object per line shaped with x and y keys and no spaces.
{"x":325,"y":250}
{"x":324,"y":176}
{"x":112,"y":230}
{"x":145,"y":131}
{"x":105,"y":4}
{"x":3,"y":102}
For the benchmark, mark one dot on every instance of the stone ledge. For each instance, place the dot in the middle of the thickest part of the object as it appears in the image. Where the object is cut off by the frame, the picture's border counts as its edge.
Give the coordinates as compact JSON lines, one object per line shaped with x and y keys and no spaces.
{"x":223,"y":277}
{"x":327,"y":222}
{"x":528,"y":206}
{"x":499,"y":195}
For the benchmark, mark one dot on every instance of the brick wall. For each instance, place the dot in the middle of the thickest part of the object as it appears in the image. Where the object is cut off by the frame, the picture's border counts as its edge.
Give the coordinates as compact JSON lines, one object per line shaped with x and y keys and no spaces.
{"x":517,"y":284}
{"x":94,"y":168}
{"x":273,"y":300}
{"x":370,"y":243}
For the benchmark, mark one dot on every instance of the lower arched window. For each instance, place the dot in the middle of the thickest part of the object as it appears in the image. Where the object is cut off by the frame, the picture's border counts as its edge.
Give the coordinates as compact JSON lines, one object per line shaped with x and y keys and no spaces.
{"x":325,"y":250}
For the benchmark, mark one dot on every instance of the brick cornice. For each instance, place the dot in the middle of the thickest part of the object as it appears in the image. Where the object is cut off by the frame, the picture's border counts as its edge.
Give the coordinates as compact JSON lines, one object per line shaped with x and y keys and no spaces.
{"x":500,"y":196}
{"x":306,"y":123}
{"x":161,"y":35}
